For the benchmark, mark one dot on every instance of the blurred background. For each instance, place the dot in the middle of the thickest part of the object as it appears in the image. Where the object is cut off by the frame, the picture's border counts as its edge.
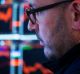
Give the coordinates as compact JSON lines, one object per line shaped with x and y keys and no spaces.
{"x":20,"y":51}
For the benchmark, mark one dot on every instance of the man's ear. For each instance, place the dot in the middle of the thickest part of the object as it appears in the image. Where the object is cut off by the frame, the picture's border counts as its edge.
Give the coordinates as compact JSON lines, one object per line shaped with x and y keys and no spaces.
{"x":76,"y":15}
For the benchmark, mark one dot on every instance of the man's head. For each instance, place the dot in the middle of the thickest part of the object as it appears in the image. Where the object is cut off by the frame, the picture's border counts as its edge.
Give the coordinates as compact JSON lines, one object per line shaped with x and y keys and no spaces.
{"x":58,"y":28}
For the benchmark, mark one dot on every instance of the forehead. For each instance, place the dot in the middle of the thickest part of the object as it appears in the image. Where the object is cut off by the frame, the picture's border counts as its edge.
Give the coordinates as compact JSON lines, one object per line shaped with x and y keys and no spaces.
{"x":38,"y":3}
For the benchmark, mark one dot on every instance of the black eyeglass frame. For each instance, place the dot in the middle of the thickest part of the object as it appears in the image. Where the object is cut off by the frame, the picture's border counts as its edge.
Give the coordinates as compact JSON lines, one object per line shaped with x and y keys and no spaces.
{"x":40,"y":9}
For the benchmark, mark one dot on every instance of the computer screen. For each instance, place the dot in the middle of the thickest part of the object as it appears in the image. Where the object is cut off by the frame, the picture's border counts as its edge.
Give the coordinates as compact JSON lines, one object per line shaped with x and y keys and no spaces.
{"x":19,"y":47}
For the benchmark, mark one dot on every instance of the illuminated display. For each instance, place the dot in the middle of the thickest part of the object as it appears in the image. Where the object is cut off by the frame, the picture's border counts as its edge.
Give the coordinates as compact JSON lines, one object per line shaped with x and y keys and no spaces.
{"x":16,"y":62}
{"x":14,"y":27}
{"x":8,"y":13}
{"x":15,"y":54}
{"x":17,"y":37}
{"x":15,"y":20}
{"x":27,"y":47}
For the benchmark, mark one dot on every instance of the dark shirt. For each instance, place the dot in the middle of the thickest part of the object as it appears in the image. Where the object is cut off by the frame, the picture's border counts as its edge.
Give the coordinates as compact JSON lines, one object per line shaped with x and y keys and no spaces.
{"x":68,"y":64}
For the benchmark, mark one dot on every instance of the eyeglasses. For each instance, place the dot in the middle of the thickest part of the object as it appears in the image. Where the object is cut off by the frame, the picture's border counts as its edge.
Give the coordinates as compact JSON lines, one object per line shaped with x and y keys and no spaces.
{"x":31,"y":13}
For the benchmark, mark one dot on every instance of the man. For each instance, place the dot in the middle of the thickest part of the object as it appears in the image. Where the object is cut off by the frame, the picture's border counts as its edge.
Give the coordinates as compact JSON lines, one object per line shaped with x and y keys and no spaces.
{"x":57,"y":25}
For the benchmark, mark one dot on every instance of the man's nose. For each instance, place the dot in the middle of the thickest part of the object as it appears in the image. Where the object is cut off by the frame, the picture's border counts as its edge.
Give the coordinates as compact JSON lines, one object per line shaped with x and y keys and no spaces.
{"x":31,"y":26}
